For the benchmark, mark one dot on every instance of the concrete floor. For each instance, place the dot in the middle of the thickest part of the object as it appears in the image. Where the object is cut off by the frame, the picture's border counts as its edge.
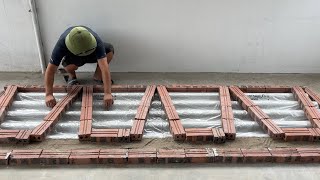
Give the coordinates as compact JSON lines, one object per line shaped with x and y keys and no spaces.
{"x":179,"y":171}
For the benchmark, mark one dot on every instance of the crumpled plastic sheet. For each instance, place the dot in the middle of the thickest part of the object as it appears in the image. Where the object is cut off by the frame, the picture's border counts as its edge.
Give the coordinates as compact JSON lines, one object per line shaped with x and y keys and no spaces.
{"x":196,"y":110}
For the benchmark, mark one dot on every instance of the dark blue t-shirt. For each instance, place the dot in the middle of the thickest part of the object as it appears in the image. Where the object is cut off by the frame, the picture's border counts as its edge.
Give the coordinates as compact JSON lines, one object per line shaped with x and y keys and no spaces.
{"x":60,"y":50}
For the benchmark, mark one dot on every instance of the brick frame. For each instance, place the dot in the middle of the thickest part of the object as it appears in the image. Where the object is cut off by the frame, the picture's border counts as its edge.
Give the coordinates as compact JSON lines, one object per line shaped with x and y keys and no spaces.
{"x":288,"y":134}
{"x":40,"y":131}
{"x":217,"y":135}
{"x":86,"y":132}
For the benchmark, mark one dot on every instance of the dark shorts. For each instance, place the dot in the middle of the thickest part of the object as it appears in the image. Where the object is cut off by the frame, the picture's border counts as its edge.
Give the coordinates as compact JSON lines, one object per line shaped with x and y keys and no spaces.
{"x":80,"y":61}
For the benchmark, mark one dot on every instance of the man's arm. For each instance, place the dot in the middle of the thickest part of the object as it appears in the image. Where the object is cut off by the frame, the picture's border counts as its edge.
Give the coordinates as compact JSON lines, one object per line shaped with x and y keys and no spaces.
{"x":106,"y":78}
{"x":49,"y":79}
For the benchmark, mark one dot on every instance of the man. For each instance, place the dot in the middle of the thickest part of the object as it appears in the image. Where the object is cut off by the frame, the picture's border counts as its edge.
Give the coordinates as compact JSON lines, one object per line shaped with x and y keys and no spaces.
{"x":77,"y":46}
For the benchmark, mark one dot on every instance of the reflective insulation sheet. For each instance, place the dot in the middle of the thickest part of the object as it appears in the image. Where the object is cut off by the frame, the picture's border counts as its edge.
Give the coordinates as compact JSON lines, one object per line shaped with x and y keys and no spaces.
{"x":196,"y":110}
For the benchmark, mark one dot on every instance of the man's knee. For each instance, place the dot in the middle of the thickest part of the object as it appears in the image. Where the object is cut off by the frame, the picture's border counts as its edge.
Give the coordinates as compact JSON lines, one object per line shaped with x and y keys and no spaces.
{"x":71,"y":68}
{"x":109,"y":57}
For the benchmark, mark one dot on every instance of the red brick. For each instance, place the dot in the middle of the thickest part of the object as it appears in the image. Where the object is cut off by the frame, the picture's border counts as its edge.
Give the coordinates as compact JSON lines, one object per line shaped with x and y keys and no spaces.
{"x":85,"y":130}
{"x":23,"y":136}
{"x":104,"y":135}
{"x":1,"y":93}
{"x":164,"y":96}
{"x":136,"y":132}
{"x":55,"y":114}
{"x":84,"y":156}
{"x":256,"y":156}
{"x":142,"y":113}
{"x":136,"y":88}
{"x":278,"y":89}
{"x":257,"y":114}
{"x":50,"y":157}
{"x":274,"y":131}
{"x":313,"y":115}
{"x":39,"y":133}
{"x":297,"y":134}
{"x":202,"y":155}
{"x":226,"y":113}
{"x":119,"y":88}
{"x":199,"y":134}
{"x":284,"y":155}
{"x":302,"y":98}
{"x":114,"y":156}
{"x":87,"y":96}
{"x":143,"y":156}
{"x":8,"y":136}
{"x":253,"y":89}
{"x":67,"y":100}
{"x":232,"y":155}
{"x":314,"y":96}
{"x":3,"y":113}
{"x":218,"y":135}
{"x":124,"y":135}
{"x":4,"y":157}
{"x":225,"y":101}
{"x":86,"y":113}
{"x":196,"y":88}
{"x":224,"y":91}
{"x":315,"y":134}
{"x":177,"y":130}
{"x":229,"y":128}
{"x":171,"y":156}
{"x":8,"y":97}
{"x":309,"y":155}
{"x":25,"y":157}
{"x":236,"y":93}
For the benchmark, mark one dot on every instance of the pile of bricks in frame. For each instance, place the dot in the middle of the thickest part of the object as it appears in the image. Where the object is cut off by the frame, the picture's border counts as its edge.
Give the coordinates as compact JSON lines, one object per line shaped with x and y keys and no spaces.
{"x":149,"y":156}
{"x":218,"y":135}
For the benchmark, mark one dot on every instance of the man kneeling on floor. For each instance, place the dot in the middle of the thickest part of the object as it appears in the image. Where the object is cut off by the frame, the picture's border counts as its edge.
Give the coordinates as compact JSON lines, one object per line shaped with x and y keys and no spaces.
{"x":77,"y":46}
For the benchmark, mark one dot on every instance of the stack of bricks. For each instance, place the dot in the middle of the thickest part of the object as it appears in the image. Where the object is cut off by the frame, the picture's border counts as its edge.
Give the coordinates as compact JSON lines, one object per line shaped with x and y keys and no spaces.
{"x":150,"y":156}
{"x":50,"y":157}
{"x":215,"y":135}
{"x":110,"y":135}
{"x":307,"y":105}
{"x":227,"y":117}
{"x":25,"y":157}
{"x":192,"y":88}
{"x":257,"y":114}
{"x":142,"y":112}
{"x":142,"y":156}
{"x":201,"y":155}
{"x":301,"y":134}
{"x":39,"y":133}
{"x":176,"y":127}
{"x":6,"y":100}
{"x":85,"y":127}
{"x":266,"y":89}
{"x":228,"y":155}
{"x":313,"y":95}
{"x":120,"y":88}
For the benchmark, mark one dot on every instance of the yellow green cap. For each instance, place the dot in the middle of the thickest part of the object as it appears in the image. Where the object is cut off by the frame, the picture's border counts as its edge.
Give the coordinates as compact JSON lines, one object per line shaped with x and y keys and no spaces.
{"x":80,"y":41}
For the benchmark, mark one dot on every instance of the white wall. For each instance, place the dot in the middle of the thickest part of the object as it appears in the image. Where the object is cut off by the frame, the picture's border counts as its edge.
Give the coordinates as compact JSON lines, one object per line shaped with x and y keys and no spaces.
{"x":195,"y":35}
{"x":18,"y":49}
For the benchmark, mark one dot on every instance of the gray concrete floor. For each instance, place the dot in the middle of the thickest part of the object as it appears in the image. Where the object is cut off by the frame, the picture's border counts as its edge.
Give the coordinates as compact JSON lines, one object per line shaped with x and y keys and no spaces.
{"x":179,"y":171}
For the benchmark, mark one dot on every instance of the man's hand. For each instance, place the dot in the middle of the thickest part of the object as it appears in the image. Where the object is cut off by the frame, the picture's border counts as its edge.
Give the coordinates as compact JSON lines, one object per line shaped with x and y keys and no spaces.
{"x":50,"y":101}
{"x":108,"y":100}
